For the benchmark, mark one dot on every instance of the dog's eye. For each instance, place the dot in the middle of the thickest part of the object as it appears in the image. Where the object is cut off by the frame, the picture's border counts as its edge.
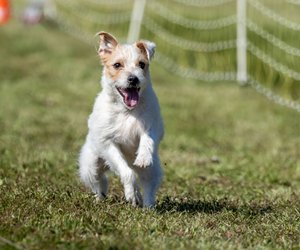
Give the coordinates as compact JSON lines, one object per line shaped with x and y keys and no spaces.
{"x":117,"y":65}
{"x":142,"y":65}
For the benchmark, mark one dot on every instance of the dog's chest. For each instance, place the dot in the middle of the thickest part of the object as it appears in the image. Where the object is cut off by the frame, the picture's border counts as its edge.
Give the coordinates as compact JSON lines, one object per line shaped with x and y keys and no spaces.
{"x":128,"y":130}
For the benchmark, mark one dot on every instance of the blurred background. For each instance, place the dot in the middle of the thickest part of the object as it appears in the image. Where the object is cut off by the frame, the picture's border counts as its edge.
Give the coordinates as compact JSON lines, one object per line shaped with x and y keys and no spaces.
{"x":227,"y":76}
{"x":223,"y":69}
{"x":253,"y":42}
{"x":226,"y":73}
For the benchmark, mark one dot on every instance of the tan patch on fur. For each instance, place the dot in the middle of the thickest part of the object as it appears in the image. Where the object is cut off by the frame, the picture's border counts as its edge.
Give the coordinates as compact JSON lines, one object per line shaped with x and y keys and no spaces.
{"x":107,"y":43}
{"x":106,"y":56}
{"x":143,"y":56}
{"x":113,"y":73}
{"x":142,"y":47}
{"x":144,"y":59}
{"x":108,"y":61}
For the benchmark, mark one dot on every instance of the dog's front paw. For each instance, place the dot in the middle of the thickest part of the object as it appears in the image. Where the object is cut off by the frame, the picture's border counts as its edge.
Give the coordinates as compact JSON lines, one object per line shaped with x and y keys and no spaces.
{"x":143,"y":161}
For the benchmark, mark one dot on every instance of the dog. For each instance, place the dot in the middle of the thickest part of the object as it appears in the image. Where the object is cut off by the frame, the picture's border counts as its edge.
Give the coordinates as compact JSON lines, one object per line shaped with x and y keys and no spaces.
{"x":125,"y":126}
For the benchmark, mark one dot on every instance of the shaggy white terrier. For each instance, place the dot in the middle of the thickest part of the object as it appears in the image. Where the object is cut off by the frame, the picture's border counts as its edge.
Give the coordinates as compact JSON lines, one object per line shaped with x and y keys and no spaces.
{"x":125,"y":127}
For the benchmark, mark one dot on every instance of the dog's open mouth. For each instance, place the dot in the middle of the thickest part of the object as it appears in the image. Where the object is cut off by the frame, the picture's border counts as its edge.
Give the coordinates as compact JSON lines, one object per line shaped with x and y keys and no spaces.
{"x":130,"y":96}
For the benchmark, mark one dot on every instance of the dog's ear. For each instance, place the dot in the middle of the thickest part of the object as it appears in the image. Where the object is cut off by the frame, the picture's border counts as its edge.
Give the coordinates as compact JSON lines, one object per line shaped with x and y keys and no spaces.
{"x":147,"y":47}
{"x":107,"y":43}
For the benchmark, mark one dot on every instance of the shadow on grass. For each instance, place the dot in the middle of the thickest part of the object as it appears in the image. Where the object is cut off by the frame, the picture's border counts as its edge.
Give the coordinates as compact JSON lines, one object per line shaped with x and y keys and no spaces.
{"x":170,"y":204}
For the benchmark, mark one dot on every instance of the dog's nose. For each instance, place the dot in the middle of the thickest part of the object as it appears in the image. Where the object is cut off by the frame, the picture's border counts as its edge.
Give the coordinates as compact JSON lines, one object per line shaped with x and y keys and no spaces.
{"x":133,"y":80}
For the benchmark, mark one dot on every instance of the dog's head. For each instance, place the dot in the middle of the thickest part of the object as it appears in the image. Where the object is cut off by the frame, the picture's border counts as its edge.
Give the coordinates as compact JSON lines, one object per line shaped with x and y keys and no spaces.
{"x":125,"y":68}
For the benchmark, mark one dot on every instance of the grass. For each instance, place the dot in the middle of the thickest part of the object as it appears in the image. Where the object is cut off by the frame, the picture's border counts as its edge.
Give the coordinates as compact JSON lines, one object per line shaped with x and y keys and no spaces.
{"x":231,"y":159}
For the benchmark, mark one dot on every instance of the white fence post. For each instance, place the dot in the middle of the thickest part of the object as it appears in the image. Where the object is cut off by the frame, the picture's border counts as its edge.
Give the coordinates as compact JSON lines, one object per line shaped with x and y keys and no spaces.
{"x":242,"y":41}
{"x":136,"y":20}
{"x":50,"y":9}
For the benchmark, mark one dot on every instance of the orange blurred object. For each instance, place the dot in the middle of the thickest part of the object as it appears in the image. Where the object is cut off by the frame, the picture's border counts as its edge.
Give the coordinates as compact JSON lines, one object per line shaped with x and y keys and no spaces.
{"x":4,"y":11}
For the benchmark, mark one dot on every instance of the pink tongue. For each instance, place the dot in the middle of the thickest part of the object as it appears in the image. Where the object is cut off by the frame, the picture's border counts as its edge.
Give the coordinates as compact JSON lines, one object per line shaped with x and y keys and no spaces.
{"x":131,"y":97}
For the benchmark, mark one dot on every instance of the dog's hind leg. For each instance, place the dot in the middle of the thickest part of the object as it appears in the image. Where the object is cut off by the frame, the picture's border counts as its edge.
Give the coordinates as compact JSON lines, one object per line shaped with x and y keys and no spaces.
{"x":150,"y":179}
{"x":131,"y":188}
{"x":92,"y":171}
{"x":115,"y":159}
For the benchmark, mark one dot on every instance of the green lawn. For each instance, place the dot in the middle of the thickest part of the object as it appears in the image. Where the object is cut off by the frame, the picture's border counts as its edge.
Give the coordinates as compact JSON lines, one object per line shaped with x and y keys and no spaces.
{"x":231,"y":158}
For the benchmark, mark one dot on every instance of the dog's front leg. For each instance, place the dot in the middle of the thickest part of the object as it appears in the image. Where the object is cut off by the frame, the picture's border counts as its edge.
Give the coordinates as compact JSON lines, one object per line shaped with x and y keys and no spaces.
{"x":148,"y":168}
{"x":144,"y":157}
{"x":118,"y":164}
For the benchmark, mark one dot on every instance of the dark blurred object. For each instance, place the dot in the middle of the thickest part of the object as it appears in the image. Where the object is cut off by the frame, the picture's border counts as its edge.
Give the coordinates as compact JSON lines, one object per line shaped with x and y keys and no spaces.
{"x":4,"y":11}
{"x":34,"y":12}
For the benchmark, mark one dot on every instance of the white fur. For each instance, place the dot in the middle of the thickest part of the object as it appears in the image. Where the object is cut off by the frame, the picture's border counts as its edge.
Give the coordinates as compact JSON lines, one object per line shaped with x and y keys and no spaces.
{"x":124,"y":140}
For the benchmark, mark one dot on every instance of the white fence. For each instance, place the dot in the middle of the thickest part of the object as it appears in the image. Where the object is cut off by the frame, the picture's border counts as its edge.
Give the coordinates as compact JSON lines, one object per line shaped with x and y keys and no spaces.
{"x":206,"y":40}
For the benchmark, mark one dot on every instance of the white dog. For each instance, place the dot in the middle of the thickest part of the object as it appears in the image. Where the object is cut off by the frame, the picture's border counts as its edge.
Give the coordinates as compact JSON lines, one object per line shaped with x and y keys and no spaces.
{"x":125,"y":127}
